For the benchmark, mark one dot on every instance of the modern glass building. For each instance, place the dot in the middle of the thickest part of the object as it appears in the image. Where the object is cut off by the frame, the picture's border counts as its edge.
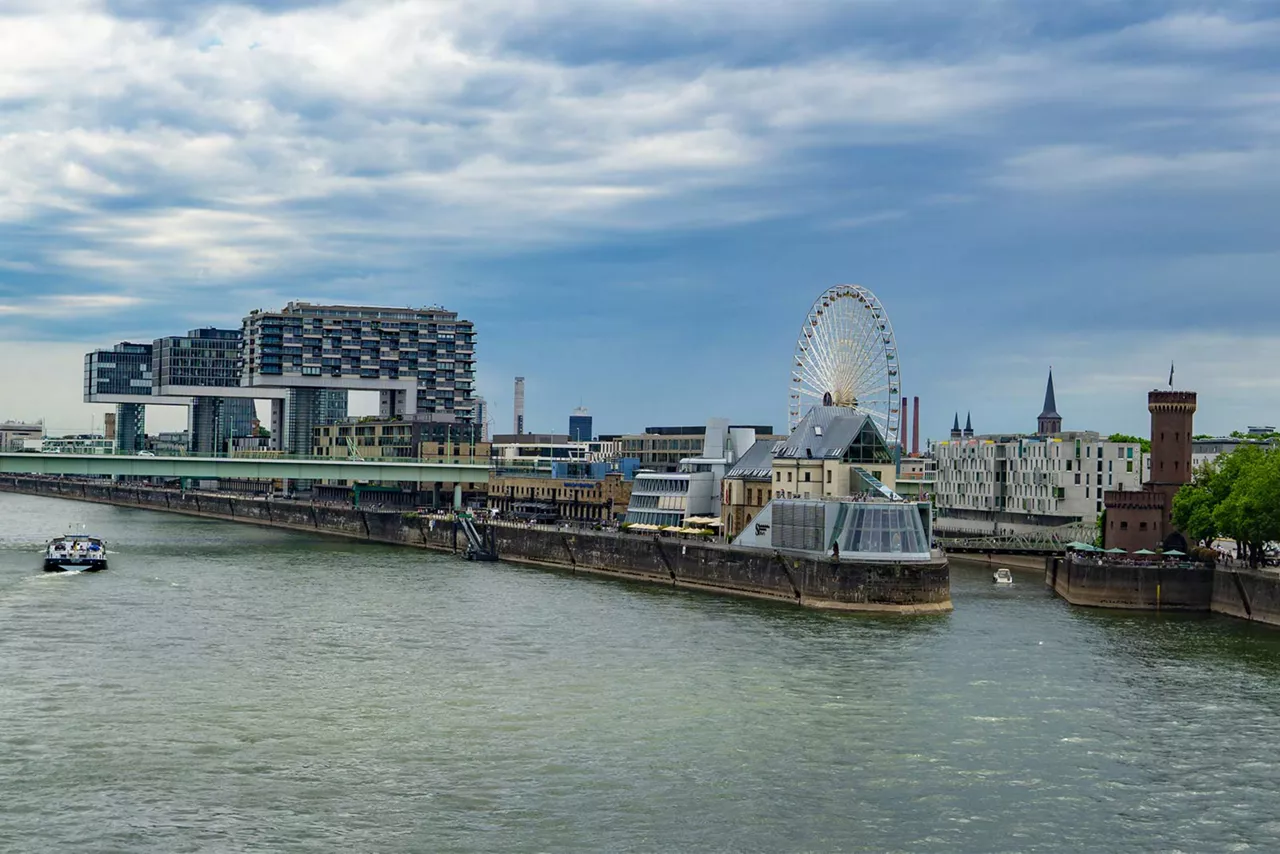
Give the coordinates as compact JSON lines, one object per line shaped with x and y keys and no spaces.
{"x":392,"y":350}
{"x":580,"y":425}
{"x":202,"y":357}
{"x":307,"y":409}
{"x":123,"y":371}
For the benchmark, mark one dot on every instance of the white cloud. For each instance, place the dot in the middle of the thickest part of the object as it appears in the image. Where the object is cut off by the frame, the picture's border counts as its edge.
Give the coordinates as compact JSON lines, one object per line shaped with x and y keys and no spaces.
{"x":1085,"y":168}
{"x":867,"y":219}
{"x":69,"y":306}
{"x":237,"y":144}
{"x":1202,"y":32}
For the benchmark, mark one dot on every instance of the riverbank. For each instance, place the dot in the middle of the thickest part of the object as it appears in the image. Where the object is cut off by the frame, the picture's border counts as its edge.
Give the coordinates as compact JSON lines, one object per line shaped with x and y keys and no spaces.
{"x":903,"y":588}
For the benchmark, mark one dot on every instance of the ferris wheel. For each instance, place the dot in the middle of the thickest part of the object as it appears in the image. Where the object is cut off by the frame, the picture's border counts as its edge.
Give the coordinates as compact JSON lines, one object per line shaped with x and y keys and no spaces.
{"x":846,"y":355}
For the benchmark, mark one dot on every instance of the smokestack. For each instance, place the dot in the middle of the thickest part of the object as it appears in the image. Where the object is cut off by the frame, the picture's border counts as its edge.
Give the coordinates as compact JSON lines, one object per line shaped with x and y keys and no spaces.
{"x":519,"y":406}
{"x":915,"y":426}
{"x":903,"y":422}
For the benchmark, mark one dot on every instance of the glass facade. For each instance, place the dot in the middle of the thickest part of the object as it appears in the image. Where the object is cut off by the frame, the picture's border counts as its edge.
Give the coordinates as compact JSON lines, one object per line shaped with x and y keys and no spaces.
{"x":124,"y":369}
{"x":131,"y":428}
{"x":203,"y":357}
{"x":212,"y":422}
{"x":580,"y":428}
{"x":307,"y":409}
{"x":430,"y":346}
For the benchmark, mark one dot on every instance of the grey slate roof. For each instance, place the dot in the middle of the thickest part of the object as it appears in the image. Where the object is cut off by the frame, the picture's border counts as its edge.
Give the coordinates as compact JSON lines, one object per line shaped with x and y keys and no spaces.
{"x":839,"y":426}
{"x":1050,"y":404}
{"x":756,"y":463}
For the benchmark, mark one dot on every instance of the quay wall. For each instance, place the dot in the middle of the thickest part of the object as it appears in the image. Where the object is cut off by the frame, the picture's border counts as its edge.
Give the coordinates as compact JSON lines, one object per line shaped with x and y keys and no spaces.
{"x":1133,"y":587}
{"x":909,"y":588}
{"x":1249,"y":594}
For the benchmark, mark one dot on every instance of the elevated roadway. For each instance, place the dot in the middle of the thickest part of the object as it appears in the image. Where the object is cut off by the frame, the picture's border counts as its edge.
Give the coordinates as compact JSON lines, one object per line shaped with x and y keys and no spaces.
{"x":261,"y":468}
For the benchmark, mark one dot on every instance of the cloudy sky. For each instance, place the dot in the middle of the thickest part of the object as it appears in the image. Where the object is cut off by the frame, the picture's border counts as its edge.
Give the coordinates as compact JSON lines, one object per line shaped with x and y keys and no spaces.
{"x":636,"y":201}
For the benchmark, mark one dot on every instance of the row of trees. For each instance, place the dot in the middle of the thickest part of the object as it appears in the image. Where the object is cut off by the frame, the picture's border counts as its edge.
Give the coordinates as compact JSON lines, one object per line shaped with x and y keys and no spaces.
{"x":1237,"y":497}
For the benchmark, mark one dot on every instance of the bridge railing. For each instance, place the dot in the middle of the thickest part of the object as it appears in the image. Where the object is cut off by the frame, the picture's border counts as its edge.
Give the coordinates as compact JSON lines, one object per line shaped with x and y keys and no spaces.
{"x":269,"y":455}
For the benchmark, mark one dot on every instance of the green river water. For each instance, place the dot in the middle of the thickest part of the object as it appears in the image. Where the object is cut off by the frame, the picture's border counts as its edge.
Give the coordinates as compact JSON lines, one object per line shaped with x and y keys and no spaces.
{"x":230,"y":688}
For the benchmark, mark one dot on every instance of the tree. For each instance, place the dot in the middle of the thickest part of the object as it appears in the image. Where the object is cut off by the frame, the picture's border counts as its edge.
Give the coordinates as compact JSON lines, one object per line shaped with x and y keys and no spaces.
{"x":1238,"y":497}
{"x":1133,"y":440}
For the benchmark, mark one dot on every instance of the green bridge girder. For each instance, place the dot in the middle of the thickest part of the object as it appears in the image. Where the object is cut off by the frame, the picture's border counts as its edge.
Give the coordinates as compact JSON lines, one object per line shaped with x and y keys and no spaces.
{"x":266,"y":468}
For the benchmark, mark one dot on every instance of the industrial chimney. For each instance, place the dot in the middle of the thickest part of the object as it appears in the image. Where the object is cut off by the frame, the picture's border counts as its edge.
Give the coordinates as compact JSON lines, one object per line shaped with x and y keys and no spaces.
{"x":519,"y":406}
{"x":915,"y":426}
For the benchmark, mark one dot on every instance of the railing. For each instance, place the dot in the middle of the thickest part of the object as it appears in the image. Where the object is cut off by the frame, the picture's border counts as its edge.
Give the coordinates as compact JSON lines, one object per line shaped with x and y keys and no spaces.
{"x":271,"y":455}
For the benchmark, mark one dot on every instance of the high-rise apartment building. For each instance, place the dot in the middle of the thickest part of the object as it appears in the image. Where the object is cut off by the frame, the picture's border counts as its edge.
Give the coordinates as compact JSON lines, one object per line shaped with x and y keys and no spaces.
{"x":421,"y":360}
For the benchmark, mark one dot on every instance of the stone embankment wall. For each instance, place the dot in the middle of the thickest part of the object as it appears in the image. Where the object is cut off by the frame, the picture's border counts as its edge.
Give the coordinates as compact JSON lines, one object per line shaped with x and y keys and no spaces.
{"x":1245,"y":593}
{"x":848,"y":585}
{"x":1136,"y":587}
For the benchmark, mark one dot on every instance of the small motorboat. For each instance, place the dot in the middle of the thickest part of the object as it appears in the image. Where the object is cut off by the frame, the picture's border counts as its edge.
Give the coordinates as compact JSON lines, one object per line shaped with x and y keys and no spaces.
{"x":75,"y":553}
{"x":1002,"y":576}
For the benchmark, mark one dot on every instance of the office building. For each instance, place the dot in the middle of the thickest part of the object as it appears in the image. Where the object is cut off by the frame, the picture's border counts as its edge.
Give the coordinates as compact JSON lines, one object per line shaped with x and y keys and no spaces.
{"x":423,"y":436}
{"x":671,"y":498}
{"x":577,"y":490}
{"x":122,"y":375}
{"x":81,"y":443}
{"x":14,"y":435}
{"x":662,"y":448}
{"x":533,"y":453}
{"x":580,"y":425}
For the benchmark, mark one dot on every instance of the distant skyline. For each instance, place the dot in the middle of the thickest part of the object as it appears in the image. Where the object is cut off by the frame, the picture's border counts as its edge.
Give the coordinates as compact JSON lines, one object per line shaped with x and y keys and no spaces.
{"x":636,"y":202}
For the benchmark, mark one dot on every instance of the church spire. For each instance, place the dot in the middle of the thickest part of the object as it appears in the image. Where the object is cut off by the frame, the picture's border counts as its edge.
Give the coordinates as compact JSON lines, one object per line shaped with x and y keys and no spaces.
{"x":1050,"y":421}
{"x":968,"y":425}
{"x":955,"y":427}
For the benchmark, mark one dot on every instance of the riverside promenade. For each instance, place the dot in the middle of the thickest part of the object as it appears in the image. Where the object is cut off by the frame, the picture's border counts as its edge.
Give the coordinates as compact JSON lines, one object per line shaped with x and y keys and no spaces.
{"x":793,"y":578}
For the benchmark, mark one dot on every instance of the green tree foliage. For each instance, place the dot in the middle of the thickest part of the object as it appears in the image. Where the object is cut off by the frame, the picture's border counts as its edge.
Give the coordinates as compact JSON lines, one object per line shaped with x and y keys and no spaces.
{"x":1135,"y":440}
{"x":1238,"y":497}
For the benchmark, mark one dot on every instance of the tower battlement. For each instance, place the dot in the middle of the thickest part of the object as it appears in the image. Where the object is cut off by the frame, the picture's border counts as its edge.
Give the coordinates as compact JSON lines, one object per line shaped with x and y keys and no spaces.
{"x":1171,"y":401}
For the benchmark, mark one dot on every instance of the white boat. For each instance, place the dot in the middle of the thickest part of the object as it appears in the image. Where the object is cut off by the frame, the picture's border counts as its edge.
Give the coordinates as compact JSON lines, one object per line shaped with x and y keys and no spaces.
{"x":75,"y":552}
{"x":1002,"y":576}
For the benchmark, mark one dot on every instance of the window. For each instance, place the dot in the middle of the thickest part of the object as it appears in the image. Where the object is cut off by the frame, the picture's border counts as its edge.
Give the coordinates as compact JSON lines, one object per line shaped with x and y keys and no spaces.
{"x":808,"y":477}
{"x":788,"y":477}
{"x":1124,"y":526}
{"x":1077,"y":479}
{"x":828,"y":475}
{"x":779,"y":477}
{"x":1128,"y":466}
{"x":1142,"y":526}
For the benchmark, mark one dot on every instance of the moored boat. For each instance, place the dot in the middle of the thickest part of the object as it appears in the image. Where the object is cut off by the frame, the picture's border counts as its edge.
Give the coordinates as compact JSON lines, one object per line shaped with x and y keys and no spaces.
{"x":1002,"y":576}
{"x":75,"y":552}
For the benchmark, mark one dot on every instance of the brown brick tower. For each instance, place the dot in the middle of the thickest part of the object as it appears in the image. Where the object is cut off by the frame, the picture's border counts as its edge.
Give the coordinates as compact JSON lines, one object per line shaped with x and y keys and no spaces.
{"x":1172,"y":413}
{"x":1145,"y":519}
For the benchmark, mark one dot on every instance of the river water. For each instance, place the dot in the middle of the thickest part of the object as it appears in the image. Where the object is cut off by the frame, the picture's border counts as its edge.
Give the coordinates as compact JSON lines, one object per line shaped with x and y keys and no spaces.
{"x":230,"y":688}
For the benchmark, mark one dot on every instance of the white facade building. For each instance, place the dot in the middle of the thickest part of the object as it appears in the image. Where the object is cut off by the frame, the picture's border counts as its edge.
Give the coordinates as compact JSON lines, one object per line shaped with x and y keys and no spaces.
{"x":1062,"y":476}
{"x":669,"y":498}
